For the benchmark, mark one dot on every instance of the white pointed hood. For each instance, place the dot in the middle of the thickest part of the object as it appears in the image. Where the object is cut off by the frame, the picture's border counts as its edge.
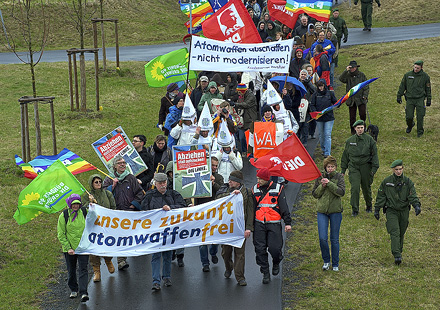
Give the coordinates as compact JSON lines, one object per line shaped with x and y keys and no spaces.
{"x":273,"y":97}
{"x":224,"y":137}
{"x":205,"y":121}
{"x":189,"y":113}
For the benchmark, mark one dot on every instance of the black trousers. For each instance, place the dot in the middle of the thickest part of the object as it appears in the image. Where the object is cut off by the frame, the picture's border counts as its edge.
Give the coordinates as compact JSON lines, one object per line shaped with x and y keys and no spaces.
{"x":268,"y":236}
{"x":83,"y":261}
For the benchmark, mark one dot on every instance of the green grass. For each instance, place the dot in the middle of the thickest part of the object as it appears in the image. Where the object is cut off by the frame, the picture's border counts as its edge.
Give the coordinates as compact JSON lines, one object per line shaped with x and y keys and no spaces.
{"x":368,"y":278}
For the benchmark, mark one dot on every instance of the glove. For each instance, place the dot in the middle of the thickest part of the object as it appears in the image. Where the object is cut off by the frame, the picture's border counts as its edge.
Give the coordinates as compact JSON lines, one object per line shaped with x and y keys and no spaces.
{"x":232,"y":103}
{"x":428,"y":102}
{"x":345,"y":40}
{"x":417,"y":209}
{"x":376,"y":214}
{"x":399,"y":100}
{"x":355,"y":3}
{"x":378,"y":5}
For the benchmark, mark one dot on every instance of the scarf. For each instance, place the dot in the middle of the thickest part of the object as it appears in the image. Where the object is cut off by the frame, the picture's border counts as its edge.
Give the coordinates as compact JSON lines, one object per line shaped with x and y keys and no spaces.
{"x":120,"y":176}
{"x":76,"y":213}
{"x":270,"y":119}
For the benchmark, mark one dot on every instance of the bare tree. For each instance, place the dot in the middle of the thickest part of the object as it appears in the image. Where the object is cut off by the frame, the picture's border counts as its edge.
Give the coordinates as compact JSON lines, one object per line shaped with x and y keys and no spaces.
{"x":33,"y":30}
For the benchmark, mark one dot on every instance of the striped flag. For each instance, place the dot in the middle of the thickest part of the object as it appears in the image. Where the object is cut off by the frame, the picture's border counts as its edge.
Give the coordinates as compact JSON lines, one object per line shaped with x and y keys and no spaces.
{"x":73,"y":163}
{"x":316,"y":9}
{"x":351,"y":92}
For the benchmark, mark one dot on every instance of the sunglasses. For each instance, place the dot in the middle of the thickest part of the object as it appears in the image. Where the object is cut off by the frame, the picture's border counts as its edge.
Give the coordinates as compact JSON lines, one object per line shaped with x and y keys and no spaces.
{"x":97,"y":182}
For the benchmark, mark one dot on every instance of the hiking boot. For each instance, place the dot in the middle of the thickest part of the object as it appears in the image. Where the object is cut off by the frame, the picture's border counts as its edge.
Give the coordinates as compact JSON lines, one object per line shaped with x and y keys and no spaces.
{"x":266,"y":277}
{"x":84,"y":298}
{"x":73,"y":295}
{"x":96,"y":274}
{"x":180,"y":262}
{"x":242,"y":282}
{"x":205,"y":268}
{"x":155,"y":287}
{"x":397,"y":260}
{"x":110,"y":266}
{"x":214,"y":259}
{"x":122,"y":265}
{"x":354,"y":213}
{"x":409,"y":128}
{"x":167,"y":282}
{"x":326,"y":266}
{"x":228,"y":274}
{"x":276,"y":269}
{"x":365,"y":29}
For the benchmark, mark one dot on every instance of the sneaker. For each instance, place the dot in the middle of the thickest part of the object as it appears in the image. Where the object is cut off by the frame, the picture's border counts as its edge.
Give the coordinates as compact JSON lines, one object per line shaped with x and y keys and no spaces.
{"x":335,"y":268}
{"x":214,"y":259}
{"x":205,"y":268}
{"x":155,"y":287}
{"x":276,"y":269}
{"x":167,"y":282}
{"x":326,"y":266}
{"x":122,"y":265}
{"x":266,"y":277}
{"x":242,"y":282}
{"x":73,"y":295}
{"x":84,"y":298}
{"x":228,"y":274}
{"x":180,"y":262}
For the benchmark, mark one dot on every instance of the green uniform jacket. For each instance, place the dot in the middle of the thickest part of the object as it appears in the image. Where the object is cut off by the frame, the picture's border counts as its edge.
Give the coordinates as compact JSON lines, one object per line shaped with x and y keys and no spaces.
{"x":352,"y":80}
{"x":103,"y":197}
{"x":208,"y":96}
{"x":396,"y":193}
{"x":415,"y":85}
{"x":367,"y":1}
{"x":341,"y":27}
{"x":70,"y":234}
{"x":329,"y":197}
{"x":360,"y":150}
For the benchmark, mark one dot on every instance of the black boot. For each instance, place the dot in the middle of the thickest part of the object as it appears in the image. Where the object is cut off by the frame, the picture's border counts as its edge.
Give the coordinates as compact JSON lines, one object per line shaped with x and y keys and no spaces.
{"x":180,"y":262}
{"x":266,"y":277}
{"x":276,"y":269}
{"x":397,"y":260}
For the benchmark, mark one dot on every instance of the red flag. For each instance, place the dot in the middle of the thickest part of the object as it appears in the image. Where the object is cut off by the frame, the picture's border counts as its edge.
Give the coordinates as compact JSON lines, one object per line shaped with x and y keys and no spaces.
{"x":232,"y":23}
{"x":277,"y":10}
{"x":289,"y":160}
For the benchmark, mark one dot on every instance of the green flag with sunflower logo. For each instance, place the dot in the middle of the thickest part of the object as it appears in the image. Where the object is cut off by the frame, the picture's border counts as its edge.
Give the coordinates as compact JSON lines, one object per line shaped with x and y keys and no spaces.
{"x":47,"y":193}
{"x":168,"y":68}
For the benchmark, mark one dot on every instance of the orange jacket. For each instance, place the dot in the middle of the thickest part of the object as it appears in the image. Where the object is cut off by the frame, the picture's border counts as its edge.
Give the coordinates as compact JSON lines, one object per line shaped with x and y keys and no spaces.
{"x":268,"y":210}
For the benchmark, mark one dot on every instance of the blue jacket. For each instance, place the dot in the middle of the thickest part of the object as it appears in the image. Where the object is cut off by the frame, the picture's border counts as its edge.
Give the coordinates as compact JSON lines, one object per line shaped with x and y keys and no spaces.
{"x":172,"y":119}
{"x":324,"y":44}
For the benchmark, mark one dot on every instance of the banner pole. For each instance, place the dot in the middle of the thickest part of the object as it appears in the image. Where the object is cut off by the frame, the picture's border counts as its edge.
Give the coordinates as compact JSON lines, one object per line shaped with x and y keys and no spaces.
{"x":189,"y":61}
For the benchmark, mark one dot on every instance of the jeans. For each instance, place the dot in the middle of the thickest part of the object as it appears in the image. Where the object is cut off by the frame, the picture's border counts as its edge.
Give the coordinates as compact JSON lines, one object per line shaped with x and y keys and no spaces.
{"x":325,"y":136}
{"x":166,"y":265}
{"x":203,"y":249}
{"x":72,"y":282}
{"x":303,"y":132}
{"x":332,"y":72}
{"x":241,"y":140}
{"x":312,"y":127}
{"x":335,"y":223}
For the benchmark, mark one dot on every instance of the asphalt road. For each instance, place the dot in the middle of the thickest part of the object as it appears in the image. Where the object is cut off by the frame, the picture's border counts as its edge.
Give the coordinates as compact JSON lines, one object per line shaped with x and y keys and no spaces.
{"x":147,"y":52}
{"x":192,"y":288}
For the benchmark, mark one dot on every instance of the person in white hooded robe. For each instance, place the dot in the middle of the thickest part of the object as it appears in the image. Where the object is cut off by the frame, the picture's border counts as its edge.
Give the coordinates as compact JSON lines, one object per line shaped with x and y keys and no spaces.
{"x":186,"y":128}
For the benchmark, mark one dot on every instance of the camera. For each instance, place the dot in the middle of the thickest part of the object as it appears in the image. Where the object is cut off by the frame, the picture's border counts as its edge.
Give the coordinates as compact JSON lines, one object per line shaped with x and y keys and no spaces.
{"x":225,"y":111}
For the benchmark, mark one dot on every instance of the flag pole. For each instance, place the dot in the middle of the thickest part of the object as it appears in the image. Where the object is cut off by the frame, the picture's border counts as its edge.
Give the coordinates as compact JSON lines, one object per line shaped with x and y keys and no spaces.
{"x":189,"y":60}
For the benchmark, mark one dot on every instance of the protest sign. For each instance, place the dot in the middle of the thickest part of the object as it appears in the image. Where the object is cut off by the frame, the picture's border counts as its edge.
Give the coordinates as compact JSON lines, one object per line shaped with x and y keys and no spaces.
{"x":235,"y":57}
{"x":266,"y":137}
{"x":124,"y":233}
{"x":192,"y":171}
{"x":117,"y":143}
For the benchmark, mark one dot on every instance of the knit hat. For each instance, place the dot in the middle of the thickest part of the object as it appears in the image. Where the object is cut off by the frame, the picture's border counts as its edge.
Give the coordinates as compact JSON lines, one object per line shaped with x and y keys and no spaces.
{"x":263,"y":174}
{"x":160,"y":177}
{"x":224,"y":137}
{"x":236,"y":176}
{"x":419,"y":62}
{"x":266,"y":108}
{"x":242,"y":87}
{"x":172,"y":87}
{"x":397,"y":162}
{"x":358,"y":123}
{"x":204,"y":78}
{"x":188,"y":113}
{"x":74,"y":198}
{"x":329,"y":160}
{"x":336,"y":10}
{"x":205,"y":121}
{"x":273,"y":97}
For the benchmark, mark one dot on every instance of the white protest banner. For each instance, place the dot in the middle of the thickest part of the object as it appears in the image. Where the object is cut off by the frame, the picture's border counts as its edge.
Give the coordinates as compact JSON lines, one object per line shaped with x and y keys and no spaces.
{"x":207,"y":54}
{"x":124,"y":233}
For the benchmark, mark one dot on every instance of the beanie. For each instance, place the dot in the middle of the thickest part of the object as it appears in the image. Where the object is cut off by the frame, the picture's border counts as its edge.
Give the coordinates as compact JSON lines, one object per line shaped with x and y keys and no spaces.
{"x":172,"y":87}
{"x":263,"y":174}
{"x":242,"y":87}
{"x":236,"y":176}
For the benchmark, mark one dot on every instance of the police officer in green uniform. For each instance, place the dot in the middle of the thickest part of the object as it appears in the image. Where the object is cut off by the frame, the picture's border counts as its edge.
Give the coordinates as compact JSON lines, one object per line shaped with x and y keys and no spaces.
{"x":340,"y":25}
{"x":360,"y":158}
{"x":415,"y":86}
{"x":367,"y":12}
{"x":396,"y":193}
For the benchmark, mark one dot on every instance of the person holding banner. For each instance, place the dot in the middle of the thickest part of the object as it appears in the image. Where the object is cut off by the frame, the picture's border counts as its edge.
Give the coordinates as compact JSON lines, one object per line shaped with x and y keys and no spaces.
{"x":328,"y":189}
{"x":145,"y":177}
{"x":320,"y":100}
{"x":165,"y":199}
{"x":127,"y":192}
{"x":104,"y":198}
{"x":160,"y":152}
{"x":71,"y":224}
{"x":271,"y":207}
{"x":185,"y":129}
{"x":236,"y":186}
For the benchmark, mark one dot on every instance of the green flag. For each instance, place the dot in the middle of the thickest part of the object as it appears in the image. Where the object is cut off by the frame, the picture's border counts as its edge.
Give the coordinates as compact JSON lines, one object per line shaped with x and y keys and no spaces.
{"x":47,"y":193}
{"x":168,"y":68}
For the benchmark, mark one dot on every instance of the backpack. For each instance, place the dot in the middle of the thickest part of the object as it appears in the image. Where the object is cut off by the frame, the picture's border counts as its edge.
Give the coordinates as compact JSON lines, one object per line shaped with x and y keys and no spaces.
{"x":66,"y":213}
